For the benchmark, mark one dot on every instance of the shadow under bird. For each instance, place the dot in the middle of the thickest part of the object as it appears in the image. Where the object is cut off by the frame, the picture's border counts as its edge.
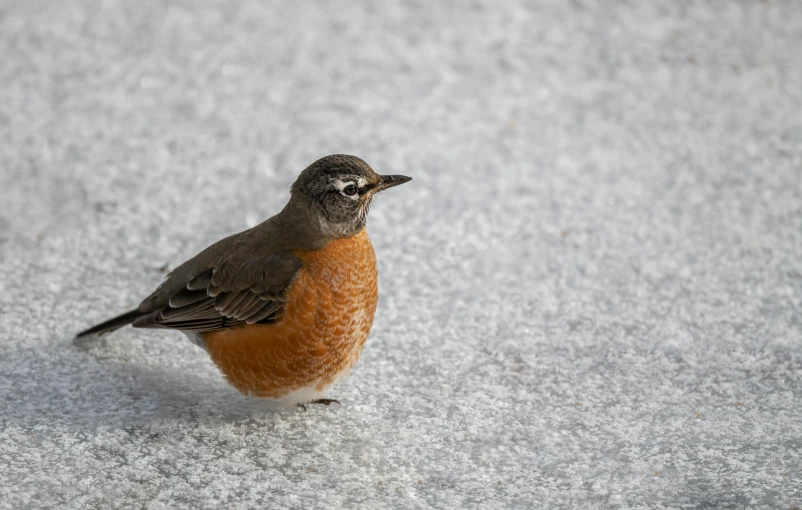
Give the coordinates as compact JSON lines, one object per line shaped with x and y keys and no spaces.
{"x":284,"y":308}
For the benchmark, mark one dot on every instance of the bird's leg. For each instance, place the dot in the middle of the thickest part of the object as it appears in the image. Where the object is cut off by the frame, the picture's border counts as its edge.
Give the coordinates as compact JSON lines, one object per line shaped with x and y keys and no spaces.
{"x":324,"y":401}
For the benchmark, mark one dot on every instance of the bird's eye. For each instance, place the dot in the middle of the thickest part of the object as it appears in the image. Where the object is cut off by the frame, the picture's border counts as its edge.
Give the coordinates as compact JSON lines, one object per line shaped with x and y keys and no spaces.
{"x":350,"y":190}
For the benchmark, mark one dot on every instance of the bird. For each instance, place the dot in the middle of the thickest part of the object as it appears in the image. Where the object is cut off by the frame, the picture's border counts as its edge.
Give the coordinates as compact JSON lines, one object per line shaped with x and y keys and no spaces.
{"x":284,"y":308}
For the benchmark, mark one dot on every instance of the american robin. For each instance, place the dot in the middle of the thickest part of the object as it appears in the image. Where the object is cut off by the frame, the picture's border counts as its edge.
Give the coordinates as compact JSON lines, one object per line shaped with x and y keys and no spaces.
{"x":283,"y":308}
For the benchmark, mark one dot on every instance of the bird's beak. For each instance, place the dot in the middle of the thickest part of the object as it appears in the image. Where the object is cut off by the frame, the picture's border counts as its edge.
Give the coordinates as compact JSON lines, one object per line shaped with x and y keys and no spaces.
{"x":388,"y":181}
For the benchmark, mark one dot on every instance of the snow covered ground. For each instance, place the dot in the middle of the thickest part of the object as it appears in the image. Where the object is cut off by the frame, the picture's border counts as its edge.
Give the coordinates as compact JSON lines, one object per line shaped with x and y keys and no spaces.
{"x":590,"y":293}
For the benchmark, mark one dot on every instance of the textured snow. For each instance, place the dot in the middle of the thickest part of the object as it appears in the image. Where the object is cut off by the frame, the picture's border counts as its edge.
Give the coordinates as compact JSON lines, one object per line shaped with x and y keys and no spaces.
{"x":590,"y":293}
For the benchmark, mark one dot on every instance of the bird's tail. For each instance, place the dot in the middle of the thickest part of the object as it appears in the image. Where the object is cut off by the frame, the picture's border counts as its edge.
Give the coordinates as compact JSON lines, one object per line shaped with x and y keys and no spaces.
{"x":112,"y":324}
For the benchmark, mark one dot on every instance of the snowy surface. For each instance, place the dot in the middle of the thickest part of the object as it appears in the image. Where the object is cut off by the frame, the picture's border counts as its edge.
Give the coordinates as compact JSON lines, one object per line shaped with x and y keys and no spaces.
{"x":591,"y":292}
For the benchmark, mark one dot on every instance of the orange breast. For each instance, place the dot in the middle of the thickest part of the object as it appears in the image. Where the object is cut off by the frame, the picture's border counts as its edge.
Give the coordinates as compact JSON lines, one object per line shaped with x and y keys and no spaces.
{"x":329,"y":312}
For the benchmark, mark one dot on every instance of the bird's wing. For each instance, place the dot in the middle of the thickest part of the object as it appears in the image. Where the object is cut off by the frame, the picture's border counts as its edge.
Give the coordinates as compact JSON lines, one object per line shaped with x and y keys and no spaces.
{"x":236,"y":291}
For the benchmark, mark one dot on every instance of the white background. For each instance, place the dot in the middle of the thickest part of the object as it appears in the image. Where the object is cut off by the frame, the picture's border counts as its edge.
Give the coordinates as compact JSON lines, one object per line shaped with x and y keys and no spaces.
{"x":590,"y":293}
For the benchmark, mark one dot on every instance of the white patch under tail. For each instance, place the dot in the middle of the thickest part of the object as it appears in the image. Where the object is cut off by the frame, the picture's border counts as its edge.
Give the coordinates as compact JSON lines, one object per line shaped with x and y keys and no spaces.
{"x":302,"y":396}
{"x":308,"y":394}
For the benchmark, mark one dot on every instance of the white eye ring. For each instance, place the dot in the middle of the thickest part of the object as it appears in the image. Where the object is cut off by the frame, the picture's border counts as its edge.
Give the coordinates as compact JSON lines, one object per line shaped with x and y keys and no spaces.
{"x":349,"y":189}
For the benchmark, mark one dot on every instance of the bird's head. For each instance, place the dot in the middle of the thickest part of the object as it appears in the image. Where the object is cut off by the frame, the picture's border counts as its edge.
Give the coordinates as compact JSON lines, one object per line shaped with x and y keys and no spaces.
{"x":340,"y":189}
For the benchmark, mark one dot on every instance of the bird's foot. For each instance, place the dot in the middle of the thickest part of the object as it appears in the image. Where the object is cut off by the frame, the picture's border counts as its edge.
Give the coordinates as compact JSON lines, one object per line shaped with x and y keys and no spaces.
{"x":324,"y":401}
